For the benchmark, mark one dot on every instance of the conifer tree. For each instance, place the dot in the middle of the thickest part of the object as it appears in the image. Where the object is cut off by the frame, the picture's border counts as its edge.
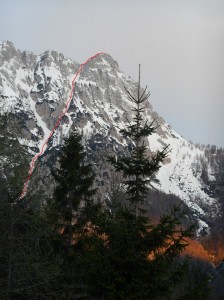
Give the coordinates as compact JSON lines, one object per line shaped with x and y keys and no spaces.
{"x":138,"y":168}
{"x":74,"y":191}
{"x":74,"y":183}
{"x":143,"y":258}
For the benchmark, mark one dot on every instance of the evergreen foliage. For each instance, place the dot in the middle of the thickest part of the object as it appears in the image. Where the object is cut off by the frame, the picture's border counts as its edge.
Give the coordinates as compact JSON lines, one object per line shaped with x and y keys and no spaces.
{"x":74,"y":183}
{"x":126,"y":257}
{"x":74,"y":190}
{"x":30,"y":269}
{"x":138,"y":168}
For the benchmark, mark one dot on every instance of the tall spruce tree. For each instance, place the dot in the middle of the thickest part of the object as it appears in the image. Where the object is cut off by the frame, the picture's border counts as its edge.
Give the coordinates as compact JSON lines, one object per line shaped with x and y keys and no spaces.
{"x":140,"y":260}
{"x":74,"y":183}
{"x":138,"y":168}
{"x":74,"y":190}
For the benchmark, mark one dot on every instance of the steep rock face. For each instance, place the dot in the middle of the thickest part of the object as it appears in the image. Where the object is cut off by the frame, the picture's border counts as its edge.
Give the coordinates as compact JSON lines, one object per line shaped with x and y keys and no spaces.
{"x":33,"y":93}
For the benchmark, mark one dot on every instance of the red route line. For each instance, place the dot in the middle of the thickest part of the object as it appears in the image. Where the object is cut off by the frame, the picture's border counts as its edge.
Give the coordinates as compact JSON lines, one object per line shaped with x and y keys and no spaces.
{"x":32,"y":165}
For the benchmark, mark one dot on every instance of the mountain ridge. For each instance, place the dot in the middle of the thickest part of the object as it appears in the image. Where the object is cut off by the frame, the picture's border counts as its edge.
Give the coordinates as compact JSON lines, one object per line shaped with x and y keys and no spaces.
{"x":34,"y":90}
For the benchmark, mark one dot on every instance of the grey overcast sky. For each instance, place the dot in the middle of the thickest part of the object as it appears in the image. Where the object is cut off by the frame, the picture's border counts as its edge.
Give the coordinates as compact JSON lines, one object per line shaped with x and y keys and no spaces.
{"x":179,"y":43}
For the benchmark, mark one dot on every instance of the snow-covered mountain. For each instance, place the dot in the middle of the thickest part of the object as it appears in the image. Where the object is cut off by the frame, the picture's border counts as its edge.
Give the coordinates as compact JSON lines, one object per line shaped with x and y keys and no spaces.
{"x":34,"y":90}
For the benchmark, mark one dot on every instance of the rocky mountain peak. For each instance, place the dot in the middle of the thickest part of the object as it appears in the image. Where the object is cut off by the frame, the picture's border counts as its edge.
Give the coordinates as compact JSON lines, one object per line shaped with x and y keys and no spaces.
{"x":7,"y":52}
{"x":107,"y":60}
{"x":34,"y":90}
{"x":7,"y":43}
